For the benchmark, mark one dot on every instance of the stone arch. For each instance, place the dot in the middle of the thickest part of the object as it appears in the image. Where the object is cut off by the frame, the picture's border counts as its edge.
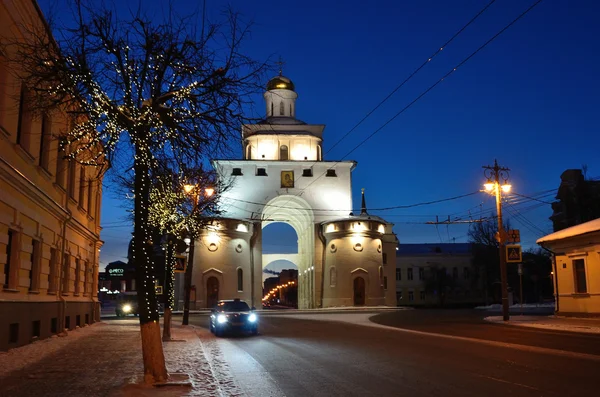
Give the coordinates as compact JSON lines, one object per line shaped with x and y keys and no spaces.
{"x":297,"y":213}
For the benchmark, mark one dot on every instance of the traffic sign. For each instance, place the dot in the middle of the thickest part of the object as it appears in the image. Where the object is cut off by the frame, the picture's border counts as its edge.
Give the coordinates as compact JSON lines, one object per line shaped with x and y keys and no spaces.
{"x":513,"y":254}
{"x":514,"y":236}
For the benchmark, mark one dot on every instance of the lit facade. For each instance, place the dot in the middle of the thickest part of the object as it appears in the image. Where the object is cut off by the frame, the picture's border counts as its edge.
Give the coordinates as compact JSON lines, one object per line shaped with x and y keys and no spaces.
{"x":49,"y":213}
{"x":282,"y":177}
{"x":576,"y":268}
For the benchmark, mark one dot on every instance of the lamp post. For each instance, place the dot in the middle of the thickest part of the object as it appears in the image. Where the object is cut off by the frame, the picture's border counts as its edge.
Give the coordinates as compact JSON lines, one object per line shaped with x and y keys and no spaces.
{"x":495,"y":175}
{"x":187,"y":282}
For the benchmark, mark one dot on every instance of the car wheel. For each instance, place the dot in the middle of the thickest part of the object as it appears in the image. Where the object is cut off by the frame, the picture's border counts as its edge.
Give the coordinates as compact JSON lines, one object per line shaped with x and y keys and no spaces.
{"x":218,"y":332}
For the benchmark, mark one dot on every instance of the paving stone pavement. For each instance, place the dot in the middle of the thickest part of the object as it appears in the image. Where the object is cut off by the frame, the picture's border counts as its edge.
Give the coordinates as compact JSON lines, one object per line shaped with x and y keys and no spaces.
{"x":95,"y":363}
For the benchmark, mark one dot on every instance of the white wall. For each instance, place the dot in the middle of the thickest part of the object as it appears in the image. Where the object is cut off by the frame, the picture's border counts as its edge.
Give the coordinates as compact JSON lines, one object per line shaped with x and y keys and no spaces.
{"x":333,"y":194}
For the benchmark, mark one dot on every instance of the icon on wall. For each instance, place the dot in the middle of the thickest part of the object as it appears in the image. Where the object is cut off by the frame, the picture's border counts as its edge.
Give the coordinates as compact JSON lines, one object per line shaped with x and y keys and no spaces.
{"x":287,"y":178}
{"x":180,"y":263}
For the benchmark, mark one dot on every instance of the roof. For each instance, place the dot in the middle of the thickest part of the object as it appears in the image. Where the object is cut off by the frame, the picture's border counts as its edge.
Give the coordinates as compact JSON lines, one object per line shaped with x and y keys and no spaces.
{"x":577,"y":230}
{"x":431,"y":248}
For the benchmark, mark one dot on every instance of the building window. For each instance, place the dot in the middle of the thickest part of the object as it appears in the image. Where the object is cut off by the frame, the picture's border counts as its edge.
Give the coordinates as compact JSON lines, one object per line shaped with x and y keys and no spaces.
{"x":261,"y":172}
{"x":3,"y":85}
{"x":381,"y":275}
{"x":77,"y":275}
{"x":384,"y":282}
{"x":90,"y":198}
{"x":72,"y":178}
{"x":45,"y":142}
{"x":272,"y":110}
{"x":61,"y":167}
{"x":580,"y":278}
{"x":52,"y":272}
{"x":24,"y":119}
{"x":331,"y":173}
{"x":422,"y":295}
{"x":35,"y":265}
{"x":307,"y":172}
{"x":281,"y":108}
{"x":466,"y":273}
{"x":398,"y":296}
{"x":455,"y":273}
{"x":319,"y":158}
{"x":421,"y":273}
{"x":409,"y":273}
{"x":411,"y":296}
{"x":35,"y":329}
{"x":82,"y":188}
{"x":283,"y":152}
{"x":249,"y":151}
{"x":398,"y":274}
{"x":332,"y":277}
{"x":240,"y":280}
{"x":86,"y":278}
{"x":65,"y":273}
{"x":11,"y":267}
{"x":384,"y":257}
{"x":236,"y":171}
{"x":13,"y":333}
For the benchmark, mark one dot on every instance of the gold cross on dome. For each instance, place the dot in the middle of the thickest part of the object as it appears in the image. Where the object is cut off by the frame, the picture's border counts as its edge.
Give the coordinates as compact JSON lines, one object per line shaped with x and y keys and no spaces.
{"x":280,"y":63}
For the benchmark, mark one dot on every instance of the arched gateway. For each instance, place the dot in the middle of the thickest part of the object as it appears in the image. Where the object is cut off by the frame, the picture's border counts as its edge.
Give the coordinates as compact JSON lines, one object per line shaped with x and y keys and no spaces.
{"x":283,"y":178}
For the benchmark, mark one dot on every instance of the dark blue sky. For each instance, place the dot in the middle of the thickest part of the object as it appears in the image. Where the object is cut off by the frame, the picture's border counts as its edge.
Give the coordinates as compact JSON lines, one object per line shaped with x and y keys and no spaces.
{"x":529,"y":99}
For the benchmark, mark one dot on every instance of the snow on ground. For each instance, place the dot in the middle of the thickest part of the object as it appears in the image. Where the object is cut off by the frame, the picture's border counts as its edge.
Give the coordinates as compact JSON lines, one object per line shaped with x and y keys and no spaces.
{"x":498,"y":306}
{"x":588,"y":326}
{"x":18,"y":358}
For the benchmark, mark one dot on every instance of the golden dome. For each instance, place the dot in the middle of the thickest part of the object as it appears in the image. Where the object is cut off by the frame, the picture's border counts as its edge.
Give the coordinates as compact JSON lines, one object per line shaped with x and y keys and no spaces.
{"x":280,"y":83}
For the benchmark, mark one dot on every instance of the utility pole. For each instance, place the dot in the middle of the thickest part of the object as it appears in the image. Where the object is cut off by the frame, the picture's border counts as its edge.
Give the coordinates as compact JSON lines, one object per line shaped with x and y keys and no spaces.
{"x":496,"y":174}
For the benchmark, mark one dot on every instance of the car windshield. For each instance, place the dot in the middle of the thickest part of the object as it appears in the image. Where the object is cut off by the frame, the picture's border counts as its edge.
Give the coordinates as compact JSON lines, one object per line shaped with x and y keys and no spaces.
{"x":235,"y":306}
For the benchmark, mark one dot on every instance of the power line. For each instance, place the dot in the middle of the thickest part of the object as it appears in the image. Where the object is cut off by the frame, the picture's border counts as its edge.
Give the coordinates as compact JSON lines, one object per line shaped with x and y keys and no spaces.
{"x":439,"y":50}
{"x":425,"y":92}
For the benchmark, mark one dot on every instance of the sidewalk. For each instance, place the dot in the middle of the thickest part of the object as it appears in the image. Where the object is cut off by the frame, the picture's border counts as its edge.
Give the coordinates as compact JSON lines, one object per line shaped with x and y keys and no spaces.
{"x":105,"y":360}
{"x":556,"y":323}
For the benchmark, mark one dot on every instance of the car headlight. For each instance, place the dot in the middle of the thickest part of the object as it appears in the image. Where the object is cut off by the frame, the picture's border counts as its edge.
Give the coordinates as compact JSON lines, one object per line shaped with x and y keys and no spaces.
{"x":221,"y":318}
{"x":252,"y":318}
{"x":126,"y":308}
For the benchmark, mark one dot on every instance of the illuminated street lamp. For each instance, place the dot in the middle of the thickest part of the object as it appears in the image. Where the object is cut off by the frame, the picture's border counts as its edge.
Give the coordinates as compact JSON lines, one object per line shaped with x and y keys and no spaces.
{"x":496,"y":174}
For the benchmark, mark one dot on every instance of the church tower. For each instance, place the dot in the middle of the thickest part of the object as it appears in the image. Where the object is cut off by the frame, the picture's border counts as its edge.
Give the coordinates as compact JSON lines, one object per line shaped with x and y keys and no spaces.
{"x":283,"y":178}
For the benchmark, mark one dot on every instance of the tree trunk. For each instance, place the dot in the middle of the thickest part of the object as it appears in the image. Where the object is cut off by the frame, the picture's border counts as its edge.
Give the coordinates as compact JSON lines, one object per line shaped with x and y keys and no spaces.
{"x":152,"y":350}
{"x":169,"y":292}
{"x":167,"y":325}
{"x":188,"y":284}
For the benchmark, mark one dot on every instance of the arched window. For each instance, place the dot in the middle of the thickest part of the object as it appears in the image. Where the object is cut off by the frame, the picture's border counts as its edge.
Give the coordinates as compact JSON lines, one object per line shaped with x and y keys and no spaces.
{"x":283,"y":153}
{"x":381,"y":275}
{"x":291,"y":114}
{"x":281,"y":108}
{"x":332,"y":277}
{"x":272,"y":110}
{"x":240,"y":277}
{"x":249,"y":151}
{"x":319,"y":153}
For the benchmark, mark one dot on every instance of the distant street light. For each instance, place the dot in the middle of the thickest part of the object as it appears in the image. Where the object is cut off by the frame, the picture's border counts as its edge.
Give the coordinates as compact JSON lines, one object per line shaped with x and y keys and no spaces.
{"x":496,"y":174}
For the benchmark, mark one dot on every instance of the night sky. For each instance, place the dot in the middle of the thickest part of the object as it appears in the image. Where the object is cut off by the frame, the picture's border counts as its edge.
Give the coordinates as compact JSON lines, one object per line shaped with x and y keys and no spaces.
{"x":529,"y":99}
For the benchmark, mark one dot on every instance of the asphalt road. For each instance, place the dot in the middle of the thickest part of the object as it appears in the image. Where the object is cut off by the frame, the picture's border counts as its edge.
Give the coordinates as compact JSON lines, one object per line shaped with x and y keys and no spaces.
{"x":322,"y":358}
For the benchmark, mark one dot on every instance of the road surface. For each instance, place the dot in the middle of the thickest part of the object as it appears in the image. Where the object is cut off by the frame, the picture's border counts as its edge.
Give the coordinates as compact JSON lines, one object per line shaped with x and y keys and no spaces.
{"x":330,"y":358}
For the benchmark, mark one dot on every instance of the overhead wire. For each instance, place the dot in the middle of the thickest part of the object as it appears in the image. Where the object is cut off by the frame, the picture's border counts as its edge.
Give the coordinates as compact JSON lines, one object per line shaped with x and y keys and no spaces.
{"x":426,"y":91}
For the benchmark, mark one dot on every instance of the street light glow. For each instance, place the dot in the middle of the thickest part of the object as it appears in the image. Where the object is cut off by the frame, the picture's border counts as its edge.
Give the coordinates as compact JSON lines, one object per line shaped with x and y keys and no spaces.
{"x":506,"y":188}
{"x":209,"y":191}
{"x":489,"y":185}
{"x":188,"y":188}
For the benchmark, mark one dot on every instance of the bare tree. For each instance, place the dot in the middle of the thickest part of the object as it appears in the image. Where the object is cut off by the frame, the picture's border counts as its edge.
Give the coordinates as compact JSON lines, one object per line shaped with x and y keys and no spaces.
{"x":153,"y":90}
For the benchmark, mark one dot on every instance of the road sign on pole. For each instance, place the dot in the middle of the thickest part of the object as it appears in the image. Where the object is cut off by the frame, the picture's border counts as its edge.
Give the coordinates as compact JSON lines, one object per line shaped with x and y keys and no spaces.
{"x":513,"y":254}
{"x":513,"y":236}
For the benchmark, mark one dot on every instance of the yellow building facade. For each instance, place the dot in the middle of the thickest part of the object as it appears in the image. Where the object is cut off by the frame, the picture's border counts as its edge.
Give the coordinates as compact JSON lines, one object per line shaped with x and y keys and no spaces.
{"x":49,"y":211}
{"x":576,"y":268}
